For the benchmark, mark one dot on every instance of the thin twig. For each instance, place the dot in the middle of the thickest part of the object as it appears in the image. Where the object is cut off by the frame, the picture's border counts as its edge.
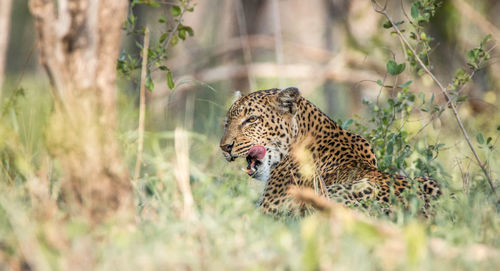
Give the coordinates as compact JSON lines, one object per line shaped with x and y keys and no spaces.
{"x":382,"y":10}
{"x":166,"y":43}
{"x":437,"y":114}
{"x":465,"y":178}
{"x":142,"y":105}
{"x":181,"y":172}
{"x":179,"y":21}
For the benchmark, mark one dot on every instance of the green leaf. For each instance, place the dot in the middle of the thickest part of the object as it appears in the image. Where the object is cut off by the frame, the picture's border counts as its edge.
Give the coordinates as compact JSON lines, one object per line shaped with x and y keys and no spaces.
{"x":162,"y":19}
{"x":480,"y":138}
{"x":388,"y":159}
{"x":151,"y":53}
{"x":390,"y":148}
{"x":462,"y":99}
{"x":488,"y":140}
{"x":485,"y":39}
{"x":347,"y":123}
{"x":472,"y":55}
{"x":394,"y":69}
{"x":174,"y":41}
{"x":414,"y":11}
{"x":175,"y":10}
{"x":406,"y":84}
{"x":138,"y":45}
{"x":132,"y":19}
{"x":150,"y":85}
{"x":182,"y":34}
{"x":170,"y":80}
{"x":189,"y":30}
{"x":498,"y":128}
{"x":387,"y":25}
{"x":163,"y":37}
{"x":421,"y":96}
{"x":380,"y":83}
{"x":153,"y":4}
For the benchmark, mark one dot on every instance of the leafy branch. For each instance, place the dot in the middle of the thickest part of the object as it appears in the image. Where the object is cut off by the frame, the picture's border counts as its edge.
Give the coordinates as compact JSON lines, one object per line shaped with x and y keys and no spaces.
{"x":476,"y":56}
{"x":157,"y":54}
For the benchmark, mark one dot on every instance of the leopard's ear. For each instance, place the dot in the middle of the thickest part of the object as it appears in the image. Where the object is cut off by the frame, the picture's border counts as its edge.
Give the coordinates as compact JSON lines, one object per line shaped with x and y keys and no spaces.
{"x":287,"y":99}
{"x":237,"y":96}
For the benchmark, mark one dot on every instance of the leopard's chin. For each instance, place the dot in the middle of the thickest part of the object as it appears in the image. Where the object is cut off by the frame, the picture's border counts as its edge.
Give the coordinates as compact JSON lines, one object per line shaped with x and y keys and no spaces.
{"x":253,"y":166}
{"x":258,"y":169}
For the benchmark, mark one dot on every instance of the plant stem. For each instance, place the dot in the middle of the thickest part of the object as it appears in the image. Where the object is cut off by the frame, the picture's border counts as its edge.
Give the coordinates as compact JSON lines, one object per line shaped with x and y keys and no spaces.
{"x":179,"y":20}
{"x":142,"y":105}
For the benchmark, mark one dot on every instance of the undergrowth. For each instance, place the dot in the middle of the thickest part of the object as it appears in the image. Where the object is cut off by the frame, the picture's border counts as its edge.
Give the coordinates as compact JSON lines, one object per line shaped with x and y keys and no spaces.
{"x":227,"y":231}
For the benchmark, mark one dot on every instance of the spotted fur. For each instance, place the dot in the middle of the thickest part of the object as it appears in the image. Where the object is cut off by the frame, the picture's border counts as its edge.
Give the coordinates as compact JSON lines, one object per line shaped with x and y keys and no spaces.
{"x":305,"y":148}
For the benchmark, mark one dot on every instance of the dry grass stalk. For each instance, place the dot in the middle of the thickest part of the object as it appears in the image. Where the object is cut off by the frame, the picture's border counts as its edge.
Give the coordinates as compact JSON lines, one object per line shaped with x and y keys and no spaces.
{"x":307,"y":166}
{"x":142,"y":105}
{"x":182,"y":171}
{"x":465,"y":177}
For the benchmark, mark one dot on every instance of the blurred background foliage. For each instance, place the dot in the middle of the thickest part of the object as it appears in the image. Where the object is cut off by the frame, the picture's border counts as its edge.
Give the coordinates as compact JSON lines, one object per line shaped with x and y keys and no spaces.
{"x":336,"y":52}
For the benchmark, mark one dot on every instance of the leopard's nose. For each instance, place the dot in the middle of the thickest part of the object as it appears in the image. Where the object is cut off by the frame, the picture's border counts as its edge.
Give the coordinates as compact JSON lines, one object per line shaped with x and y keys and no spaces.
{"x":227,"y":148}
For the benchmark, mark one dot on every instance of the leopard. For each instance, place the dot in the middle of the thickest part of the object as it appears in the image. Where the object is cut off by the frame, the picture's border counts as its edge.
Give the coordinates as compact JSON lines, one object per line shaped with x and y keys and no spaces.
{"x":288,"y":142}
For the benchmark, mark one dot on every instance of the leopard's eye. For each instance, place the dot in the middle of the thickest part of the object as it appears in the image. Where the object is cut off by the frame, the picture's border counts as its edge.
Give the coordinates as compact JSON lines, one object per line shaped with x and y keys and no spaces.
{"x":251,"y":119}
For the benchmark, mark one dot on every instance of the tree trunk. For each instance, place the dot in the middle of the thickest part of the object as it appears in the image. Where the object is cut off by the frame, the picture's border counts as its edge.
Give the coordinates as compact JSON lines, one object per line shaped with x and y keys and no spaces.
{"x":79,"y":44}
{"x":5,"y":9}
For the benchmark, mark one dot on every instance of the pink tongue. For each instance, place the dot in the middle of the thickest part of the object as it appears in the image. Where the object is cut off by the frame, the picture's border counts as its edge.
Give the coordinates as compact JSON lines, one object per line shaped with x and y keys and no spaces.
{"x":257,"y":152}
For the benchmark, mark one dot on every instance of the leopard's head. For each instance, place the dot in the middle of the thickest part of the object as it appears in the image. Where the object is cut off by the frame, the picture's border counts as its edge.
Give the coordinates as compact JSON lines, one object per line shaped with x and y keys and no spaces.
{"x":261,"y":126}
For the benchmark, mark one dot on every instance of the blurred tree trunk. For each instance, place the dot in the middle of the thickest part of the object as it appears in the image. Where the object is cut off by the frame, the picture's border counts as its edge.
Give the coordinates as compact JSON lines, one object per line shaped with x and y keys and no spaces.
{"x":79,"y":44}
{"x":5,"y":8}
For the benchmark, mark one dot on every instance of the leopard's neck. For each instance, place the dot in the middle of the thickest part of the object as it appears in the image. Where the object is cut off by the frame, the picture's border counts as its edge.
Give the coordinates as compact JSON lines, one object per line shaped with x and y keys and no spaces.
{"x":313,"y":125}
{"x":320,"y":140}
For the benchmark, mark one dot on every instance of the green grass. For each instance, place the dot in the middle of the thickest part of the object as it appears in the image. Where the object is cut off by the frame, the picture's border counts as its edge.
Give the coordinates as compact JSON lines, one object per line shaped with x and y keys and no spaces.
{"x":227,"y":230}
